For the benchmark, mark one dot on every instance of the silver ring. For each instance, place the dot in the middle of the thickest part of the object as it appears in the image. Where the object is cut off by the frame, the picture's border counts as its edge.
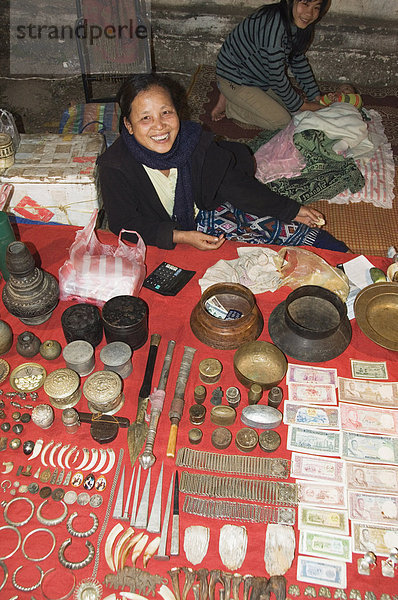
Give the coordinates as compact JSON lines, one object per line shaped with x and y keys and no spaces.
{"x":19,"y":540}
{"x":28,"y":536}
{"x":68,"y":564}
{"x":5,"y":571}
{"x":81,"y":534}
{"x":26,"y":589}
{"x":20,"y":523}
{"x":51,"y":522}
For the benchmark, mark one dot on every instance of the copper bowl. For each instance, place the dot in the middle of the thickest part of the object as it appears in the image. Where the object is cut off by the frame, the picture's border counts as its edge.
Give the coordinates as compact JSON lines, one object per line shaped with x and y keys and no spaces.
{"x":260,"y":362}
{"x":227,"y":334}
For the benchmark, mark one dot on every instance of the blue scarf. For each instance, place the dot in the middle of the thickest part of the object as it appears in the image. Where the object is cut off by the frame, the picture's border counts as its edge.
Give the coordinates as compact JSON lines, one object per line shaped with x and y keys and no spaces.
{"x":178,"y":157}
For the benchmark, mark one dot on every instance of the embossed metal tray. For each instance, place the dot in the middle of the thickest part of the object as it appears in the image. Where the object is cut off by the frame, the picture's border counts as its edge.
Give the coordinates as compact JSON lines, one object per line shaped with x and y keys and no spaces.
{"x":28,"y":377}
{"x":376,"y":312}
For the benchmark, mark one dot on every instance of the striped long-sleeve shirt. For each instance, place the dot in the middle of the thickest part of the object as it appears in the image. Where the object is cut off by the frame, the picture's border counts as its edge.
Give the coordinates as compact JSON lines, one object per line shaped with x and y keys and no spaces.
{"x":256,"y":53}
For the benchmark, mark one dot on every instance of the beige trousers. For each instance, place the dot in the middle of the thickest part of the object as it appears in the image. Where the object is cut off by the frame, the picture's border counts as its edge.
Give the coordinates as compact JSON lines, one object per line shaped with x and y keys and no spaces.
{"x":252,"y":105}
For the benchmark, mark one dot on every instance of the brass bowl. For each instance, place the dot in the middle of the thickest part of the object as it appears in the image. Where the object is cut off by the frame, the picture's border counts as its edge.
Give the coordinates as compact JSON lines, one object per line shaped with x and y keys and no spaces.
{"x":376,"y":312}
{"x":260,"y":362}
{"x":227,"y":334}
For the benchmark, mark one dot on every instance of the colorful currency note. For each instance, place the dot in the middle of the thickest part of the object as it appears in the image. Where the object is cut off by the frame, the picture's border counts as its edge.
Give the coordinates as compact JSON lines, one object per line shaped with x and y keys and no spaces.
{"x":305,"y":466}
{"x":314,"y":441}
{"x":321,"y":571}
{"x":369,"y":448}
{"x":330,"y":520}
{"x":325,"y":545}
{"x":305,"y":374}
{"x":312,"y":393}
{"x":368,"y":419}
{"x":327,"y":417}
{"x":362,"y":369}
{"x":322,"y":493}
{"x":371,"y":478}
{"x":375,"y":538}
{"x":373,"y":508}
{"x":372,"y":393}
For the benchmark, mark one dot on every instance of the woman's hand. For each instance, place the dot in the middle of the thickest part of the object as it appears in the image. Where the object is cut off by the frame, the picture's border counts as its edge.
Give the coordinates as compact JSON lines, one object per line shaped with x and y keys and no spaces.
{"x":197,"y":239}
{"x":311,"y":105}
{"x":310,"y":217}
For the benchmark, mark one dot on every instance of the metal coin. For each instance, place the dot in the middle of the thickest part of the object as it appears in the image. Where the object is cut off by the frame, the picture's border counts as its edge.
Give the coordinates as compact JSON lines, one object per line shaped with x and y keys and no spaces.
{"x":23,"y":489}
{"x":25,"y":418}
{"x":195,"y":435}
{"x":45,"y":492}
{"x":5,"y":427}
{"x":33,"y":487}
{"x":269,"y":440}
{"x":96,"y":501}
{"x":2,"y":414}
{"x":58,"y":494}
{"x":70,"y":497}
{"x":17,"y":428}
{"x":221,"y":438}
{"x":16,"y":416}
{"x":45,"y":476}
{"x":83,"y":498}
{"x":246,"y":439}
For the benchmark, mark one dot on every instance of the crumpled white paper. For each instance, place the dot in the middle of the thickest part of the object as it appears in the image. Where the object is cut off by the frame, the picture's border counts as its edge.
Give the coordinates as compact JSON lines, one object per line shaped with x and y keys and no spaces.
{"x":255,"y":268}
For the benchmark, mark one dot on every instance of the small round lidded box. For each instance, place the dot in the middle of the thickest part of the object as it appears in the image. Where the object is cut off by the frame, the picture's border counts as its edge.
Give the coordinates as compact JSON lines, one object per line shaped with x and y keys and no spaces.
{"x":103,"y":390}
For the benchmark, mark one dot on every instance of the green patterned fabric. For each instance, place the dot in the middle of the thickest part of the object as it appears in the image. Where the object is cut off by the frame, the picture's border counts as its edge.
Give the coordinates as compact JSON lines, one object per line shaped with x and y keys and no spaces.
{"x":326,"y":173}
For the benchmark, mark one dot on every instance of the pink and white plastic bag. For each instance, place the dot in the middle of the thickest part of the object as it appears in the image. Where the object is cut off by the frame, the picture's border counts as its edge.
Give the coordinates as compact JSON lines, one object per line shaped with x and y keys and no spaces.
{"x":96,"y":272}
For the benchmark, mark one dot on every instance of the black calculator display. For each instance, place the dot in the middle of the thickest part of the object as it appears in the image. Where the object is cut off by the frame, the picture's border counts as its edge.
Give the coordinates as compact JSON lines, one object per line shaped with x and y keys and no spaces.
{"x":167,"y":279}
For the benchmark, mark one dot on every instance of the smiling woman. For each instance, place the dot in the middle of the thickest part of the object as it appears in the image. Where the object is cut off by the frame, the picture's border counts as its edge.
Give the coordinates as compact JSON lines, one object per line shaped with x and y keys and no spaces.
{"x":253,"y":61}
{"x":163,"y":178}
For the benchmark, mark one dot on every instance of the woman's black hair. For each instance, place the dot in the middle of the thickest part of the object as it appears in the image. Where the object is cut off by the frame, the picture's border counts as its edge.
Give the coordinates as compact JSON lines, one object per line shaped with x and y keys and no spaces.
{"x":303,"y":38}
{"x":141,"y":83}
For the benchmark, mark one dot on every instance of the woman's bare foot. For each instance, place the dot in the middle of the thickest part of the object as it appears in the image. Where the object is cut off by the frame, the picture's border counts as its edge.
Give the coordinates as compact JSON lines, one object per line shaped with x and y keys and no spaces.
{"x":218,"y":111}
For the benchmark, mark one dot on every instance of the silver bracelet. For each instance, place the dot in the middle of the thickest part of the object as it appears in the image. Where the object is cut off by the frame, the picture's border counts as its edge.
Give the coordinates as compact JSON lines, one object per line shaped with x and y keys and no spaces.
{"x":7,"y":506}
{"x":28,"y":536}
{"x":82,"y":534}
{"x":5,"y":572}
{"x":26,"y":589}
{"x":18,"y":543}
{"x":68,"y":564}
{"x":51,"y":522}
{"x":66,"y":596}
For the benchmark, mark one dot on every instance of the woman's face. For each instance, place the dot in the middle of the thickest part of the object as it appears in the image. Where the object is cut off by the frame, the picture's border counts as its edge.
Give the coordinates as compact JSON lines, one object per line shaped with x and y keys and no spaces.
{"x":153,"y":120}
{"x":306,"y":12}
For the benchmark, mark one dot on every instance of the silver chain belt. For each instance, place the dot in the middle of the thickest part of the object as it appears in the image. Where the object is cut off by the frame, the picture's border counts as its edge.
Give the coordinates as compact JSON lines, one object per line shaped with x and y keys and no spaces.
{"x":257,"y":490}
{"x":236,"y":464}
{"x":220,"y":509}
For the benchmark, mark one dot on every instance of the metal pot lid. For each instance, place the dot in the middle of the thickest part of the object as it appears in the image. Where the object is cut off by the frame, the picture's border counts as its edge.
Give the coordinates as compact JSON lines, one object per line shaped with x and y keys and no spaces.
{"x":293,"y":341}
{"x":376,"y":312}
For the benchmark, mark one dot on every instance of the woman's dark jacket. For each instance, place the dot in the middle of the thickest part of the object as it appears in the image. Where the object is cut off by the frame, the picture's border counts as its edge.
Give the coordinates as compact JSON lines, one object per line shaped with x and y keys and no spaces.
{"x":221,"y":171}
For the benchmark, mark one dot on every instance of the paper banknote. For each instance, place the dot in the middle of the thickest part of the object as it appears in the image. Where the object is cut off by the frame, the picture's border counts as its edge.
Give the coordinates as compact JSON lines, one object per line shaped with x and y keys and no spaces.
{"x":325,"y":545}
{"x":369,"y":447}
{"x":305,"y":466}
{"x":327,"y":417}
{"x":321,"y":571}
{"x":312,"y":393}
{"x":372,"y":393}
{"x":368,"y":419}
{"x":327,"y":520}
{"x":314,"y":441}
{"x":372,"y":478}
{"x":321,"y":493}
{"x":304,"y":374}
{"x":368,"y":370}
{"x":373,"y":508}
{"x":374,"y":538}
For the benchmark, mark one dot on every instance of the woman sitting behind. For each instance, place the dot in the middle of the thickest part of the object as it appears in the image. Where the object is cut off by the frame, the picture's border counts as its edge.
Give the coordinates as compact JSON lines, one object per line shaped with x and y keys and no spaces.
{"x":160,"y":173}
{"x":253,"y":61}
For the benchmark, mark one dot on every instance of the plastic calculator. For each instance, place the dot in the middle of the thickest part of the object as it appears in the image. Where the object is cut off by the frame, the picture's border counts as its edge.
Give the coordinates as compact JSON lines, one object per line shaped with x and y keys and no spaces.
{"x":168,"y":279}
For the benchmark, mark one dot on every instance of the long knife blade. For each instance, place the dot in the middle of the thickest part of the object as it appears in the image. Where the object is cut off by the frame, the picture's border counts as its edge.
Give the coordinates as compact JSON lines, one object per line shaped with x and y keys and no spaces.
{"x":175,"y":524}
{"x":137,"y":432}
